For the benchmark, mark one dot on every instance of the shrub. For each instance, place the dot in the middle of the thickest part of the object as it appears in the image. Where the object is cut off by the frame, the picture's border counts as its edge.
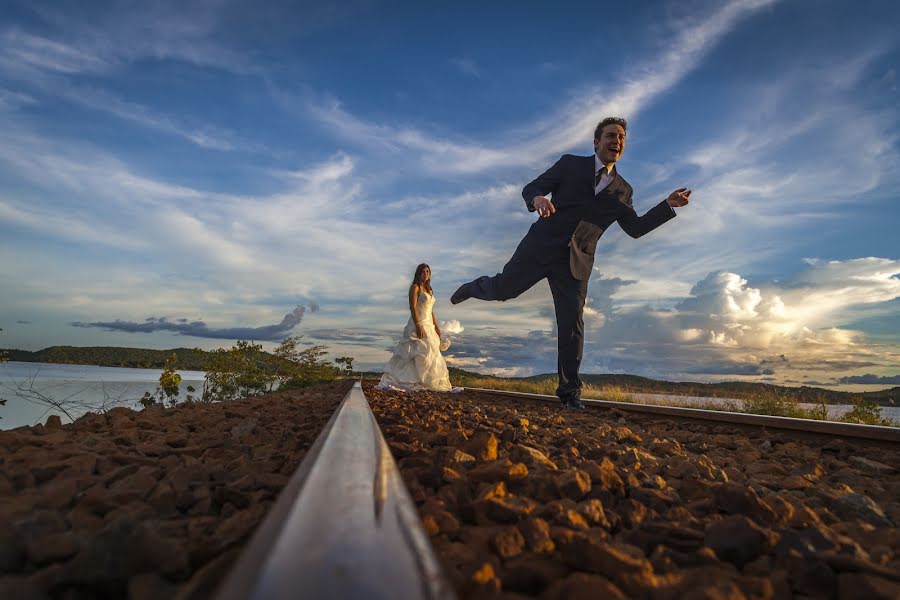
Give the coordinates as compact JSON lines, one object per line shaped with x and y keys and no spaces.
{"x":167,"y":389}
{"x":866,"y":412}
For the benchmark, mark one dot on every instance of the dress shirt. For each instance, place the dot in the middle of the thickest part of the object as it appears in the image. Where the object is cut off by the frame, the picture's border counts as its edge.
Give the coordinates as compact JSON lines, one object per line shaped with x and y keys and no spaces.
{"x":606,"y":179}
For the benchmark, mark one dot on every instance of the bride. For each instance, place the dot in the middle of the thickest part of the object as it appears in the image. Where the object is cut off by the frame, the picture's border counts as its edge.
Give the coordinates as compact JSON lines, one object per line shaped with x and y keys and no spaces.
{"x":417,"y":363}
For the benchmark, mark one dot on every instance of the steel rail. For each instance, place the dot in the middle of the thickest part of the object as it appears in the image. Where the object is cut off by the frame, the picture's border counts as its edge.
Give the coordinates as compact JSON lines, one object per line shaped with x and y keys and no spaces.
{"x":851,"y":430}
{"x":343,"y":527}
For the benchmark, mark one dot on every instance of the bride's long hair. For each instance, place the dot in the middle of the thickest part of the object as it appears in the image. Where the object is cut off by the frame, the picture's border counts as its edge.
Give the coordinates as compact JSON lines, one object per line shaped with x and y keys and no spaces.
{"x":427,"y":284}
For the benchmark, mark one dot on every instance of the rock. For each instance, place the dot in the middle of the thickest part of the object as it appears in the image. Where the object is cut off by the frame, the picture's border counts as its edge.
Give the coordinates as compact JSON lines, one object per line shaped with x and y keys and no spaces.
{"x":456,"y":457}
{"x":500,"y":470}
{"x":865,"y":586}
{"x":530,"y":574}
{"x":449,"y":475}
{"x":652,"y":535}
{"x":810,"y":471}
{"x":483,"y":581}
{"x":437,"y":521}
{"x":859,"y":506}
{"x":585,"y":586}
{"x":508,"y":542}
{"x":238,"y":527}
{"x":588,"y":553}
{"x":12,"y":551}
{"x":401,"y":450}
{"x":149,"y":586}
{"x":681,"y":468}
{"x":536,"y":533}
{"x":136,"y":486}
{"x":50,"y":548}
{"x":654,"y":481}
{"x":39,"y":524}
{"x":53,"y":422}
{"x":667,"y":447}
{"x":605,"y":477}
{"x":736,"y":498}
{"x":658,"y":500}
{"x":795,"y":482}
{"x":639,"y":460}
{"x":508,"y":509}
{"x":872,"y":466}
{"x":482,"y":445}
{"x":20,"y":588}
{"x":429,"y":523}
{"x":572,"y":519}
{"x":810,"y":577}
{"x":592,"y":511}
{"x":633,"y":512}
{"x":736,"y":539}
{"x":58,"y":494}
{"x":574,"y":484}
{"x":121,"y":550}
{"x":531,"y":456}
{"x":243,"y":428}
{"x":625,"y":435}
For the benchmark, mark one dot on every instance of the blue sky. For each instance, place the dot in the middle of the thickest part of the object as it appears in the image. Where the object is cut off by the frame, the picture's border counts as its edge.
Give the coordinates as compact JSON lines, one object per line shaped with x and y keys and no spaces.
{"x":175,"y":176}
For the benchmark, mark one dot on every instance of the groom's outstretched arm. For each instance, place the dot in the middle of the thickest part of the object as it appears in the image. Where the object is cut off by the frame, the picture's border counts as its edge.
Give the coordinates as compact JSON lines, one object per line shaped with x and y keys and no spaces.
{"x":546,"y":183}
{"x":636,"y":226}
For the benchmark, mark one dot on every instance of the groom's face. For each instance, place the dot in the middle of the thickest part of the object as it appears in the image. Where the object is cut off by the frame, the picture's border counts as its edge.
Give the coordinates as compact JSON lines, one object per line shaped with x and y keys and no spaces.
{"x":611,"y":144}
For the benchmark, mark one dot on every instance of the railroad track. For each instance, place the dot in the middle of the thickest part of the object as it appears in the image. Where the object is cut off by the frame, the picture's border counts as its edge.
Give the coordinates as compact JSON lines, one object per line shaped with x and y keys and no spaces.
{"x":345,"y":526}
{"x":809,"y":426}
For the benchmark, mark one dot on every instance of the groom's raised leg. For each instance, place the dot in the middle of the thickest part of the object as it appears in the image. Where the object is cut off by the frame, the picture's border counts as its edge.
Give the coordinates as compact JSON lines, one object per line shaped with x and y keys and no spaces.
{"x":518,"y":275}
{"x":569,"y":295}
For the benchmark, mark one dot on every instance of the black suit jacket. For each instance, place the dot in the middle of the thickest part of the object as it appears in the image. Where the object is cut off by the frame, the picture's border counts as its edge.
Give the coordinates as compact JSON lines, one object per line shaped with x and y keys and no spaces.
{"x":581,"y":217}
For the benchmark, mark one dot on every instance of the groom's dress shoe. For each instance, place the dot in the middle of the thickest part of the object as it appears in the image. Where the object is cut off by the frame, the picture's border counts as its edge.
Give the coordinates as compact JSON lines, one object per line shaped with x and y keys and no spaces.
{"x":573,"y":404}
{"x":461,"y":293}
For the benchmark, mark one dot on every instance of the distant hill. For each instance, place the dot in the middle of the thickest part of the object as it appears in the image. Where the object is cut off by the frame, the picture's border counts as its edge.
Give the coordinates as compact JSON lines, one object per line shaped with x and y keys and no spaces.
{"x":194,"y":360}
{"x":111,"y":356}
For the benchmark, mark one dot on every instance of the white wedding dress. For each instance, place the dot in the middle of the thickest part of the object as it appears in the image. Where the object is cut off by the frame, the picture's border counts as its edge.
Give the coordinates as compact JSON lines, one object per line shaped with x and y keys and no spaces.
{"x":417,"y":363}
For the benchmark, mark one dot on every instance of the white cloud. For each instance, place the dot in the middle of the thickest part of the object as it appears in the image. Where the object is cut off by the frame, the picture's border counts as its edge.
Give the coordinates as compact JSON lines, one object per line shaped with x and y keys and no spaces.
{"x":24,"y":51}
{"x":452,"y":326}
{"x":725,"y":328}
{"x":568,"y":128}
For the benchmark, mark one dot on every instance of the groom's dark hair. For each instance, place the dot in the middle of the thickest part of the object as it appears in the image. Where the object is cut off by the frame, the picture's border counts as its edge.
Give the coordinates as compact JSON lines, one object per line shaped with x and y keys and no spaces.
{"x":609,"y":121}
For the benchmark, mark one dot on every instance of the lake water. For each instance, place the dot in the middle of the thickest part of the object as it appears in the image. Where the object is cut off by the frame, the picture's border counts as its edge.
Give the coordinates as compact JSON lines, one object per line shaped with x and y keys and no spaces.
{"x":92,"y":384}
{"x":77,"y":382}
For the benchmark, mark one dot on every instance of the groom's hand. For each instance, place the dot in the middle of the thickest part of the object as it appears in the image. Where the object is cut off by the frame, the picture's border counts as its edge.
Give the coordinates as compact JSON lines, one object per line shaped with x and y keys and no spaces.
{"x":679,"y":197}
{"x":543,"y":206}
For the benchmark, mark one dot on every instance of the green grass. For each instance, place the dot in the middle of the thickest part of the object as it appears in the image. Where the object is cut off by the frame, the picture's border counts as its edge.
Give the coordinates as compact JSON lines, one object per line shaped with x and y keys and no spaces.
{"x":768,"y":402}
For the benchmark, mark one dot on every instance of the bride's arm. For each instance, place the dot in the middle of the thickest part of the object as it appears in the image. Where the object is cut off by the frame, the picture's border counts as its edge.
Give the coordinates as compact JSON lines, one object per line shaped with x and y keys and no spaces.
{"x":434,"y":320}
{"x":413,"y":302}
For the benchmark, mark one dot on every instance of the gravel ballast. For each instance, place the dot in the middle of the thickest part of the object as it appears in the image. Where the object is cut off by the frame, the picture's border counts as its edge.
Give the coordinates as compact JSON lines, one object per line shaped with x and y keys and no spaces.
{"x":524,"y":500}
{"x":147,"y":504}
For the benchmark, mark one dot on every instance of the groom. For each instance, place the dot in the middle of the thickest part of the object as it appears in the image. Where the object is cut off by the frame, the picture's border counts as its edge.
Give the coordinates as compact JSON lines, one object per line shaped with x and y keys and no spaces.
{"x":588,"y":195}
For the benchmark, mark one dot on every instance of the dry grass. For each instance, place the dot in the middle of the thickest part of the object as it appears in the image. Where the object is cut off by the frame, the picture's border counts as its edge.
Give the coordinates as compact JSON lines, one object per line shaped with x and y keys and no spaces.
{"x":770,"y":403}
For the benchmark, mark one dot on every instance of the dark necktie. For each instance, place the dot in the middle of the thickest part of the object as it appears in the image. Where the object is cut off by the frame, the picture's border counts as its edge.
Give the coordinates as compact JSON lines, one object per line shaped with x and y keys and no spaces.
{"x":599,"y":176}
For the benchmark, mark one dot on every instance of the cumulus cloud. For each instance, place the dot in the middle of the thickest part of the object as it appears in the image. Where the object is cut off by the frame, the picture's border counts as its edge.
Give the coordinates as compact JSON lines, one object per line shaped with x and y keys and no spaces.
{"x":452,"y":326}
{"x":726,"y":327}
{"x":269,"y":333}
